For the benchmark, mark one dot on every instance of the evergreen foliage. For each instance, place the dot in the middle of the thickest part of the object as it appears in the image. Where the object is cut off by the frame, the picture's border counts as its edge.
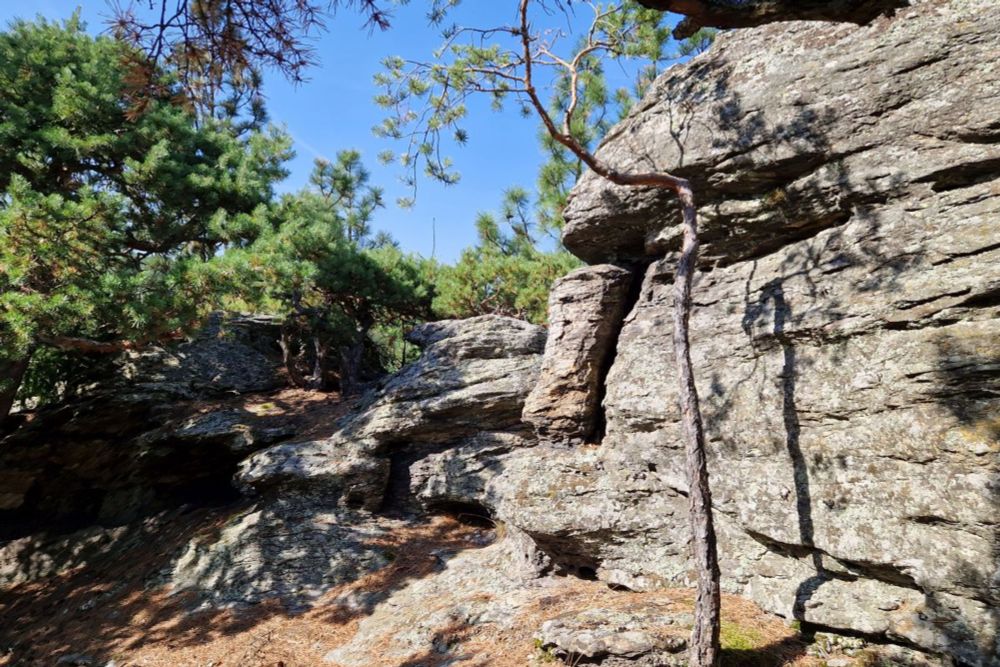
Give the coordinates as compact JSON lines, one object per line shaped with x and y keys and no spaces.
{"x":111,"y":215}
{"x":506,"y":273}
{"x":317,"y":265}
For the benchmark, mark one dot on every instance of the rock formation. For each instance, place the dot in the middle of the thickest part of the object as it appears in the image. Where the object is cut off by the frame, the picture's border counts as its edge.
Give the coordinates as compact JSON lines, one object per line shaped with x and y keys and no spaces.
{"x":845,"y":332}
{"x":140,"y":438}
{"x":846,"y":341}
{"x":586,"y":309}
{"x":442,"y":427}
{"x":464,"y":395}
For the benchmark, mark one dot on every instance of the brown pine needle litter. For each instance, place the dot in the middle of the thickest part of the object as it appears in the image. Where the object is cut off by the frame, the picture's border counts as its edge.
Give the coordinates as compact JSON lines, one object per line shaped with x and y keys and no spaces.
{"x":107,"y":611}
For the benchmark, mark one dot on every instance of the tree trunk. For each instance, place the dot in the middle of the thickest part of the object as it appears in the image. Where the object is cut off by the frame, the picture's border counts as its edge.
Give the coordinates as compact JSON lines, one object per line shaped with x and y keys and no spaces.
{"x":288,"y":357}
{"x":320,"y":351}
{"x":350,"y":367}
{"x":704,"y":651}
{"x":11,"y":373}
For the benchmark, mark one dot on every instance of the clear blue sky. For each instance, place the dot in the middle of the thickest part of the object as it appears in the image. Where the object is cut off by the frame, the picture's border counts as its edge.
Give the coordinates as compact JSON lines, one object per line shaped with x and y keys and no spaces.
{"x":333,"y":110}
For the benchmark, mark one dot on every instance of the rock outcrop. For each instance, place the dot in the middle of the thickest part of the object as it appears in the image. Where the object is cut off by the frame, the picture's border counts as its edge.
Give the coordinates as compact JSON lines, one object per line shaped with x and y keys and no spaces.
{"x":465,"y":395}
{"x":846,"y":332}
{"x":846,"y":344}
{"x":435,"y":433}
{"x":586,"y":309}
{"x":150,"y":433}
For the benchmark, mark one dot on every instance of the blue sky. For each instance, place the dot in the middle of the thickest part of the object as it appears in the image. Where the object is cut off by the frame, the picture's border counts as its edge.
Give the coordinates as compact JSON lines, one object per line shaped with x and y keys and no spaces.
{"x":333,"y":110}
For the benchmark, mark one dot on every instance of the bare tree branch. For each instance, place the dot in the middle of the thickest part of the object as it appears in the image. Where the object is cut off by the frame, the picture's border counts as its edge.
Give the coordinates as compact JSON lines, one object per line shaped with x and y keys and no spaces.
{"x":88,"y":346}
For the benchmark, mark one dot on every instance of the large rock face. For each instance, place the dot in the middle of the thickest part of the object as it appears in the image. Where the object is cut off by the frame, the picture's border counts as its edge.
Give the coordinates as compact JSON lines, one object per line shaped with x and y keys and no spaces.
{"x":846,"y":332}
{"x":793,"y":128}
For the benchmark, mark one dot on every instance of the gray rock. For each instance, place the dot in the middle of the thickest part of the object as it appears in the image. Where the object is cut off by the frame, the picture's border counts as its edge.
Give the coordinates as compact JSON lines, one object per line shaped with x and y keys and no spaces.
{"x":891,"y":655}
{"x":233,"y":429}
{"x":462,"y":472}
{"x":463,"y":396}
{"x":845,"y":340}
{"x":473,"y":376}
{"x":330,"y":467}
{"x":293,"y":548}
{"x":585,"y":312}
{"x":136,"y":439}
{"x":40,"y":556}
{"x":642,"y":634}
{"x":302,"y":538}
{"x":785,"y":130}
{"x":234,"y":355}
{"x":476,"y":587}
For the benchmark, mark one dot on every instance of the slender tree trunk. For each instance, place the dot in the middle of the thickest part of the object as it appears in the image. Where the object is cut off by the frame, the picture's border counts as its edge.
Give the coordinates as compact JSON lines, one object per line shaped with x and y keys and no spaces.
{"x":11,"y":373}
{"x":704,"y":650}
{"x":288,"y":357}
{"x":705,"y":635}
{"x":351,"y":358}
{"x":320,"y":350}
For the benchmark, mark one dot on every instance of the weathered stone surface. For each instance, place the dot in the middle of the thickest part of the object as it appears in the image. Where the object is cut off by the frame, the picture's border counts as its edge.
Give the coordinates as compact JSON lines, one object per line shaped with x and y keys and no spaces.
{"x":641,"y":635}
{"x":139,"y":438}
{"x":845,"y":341}
{"x":585,"y":312}
{"x":232,"y":429}
{"x":302,"y":537}
{"x":474,"y":588}
{"x":473,"y":376}
{"x":235,"y":355}
{"x":465,"y":395}
{"x":39,"y":556}
{"x":785,"y":130}
{"x":462,"y":472}
{"x":330,"y":467}
{"x":293,"y":548}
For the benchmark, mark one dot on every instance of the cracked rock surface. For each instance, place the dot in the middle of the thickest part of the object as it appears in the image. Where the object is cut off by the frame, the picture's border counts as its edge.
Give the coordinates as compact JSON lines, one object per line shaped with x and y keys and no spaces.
{"x":845,"y":332}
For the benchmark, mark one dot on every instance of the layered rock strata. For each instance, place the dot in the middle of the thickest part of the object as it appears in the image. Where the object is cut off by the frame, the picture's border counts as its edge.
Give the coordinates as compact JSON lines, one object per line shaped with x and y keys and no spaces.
{"x":846,"y":332}
{"x":586,"y":308}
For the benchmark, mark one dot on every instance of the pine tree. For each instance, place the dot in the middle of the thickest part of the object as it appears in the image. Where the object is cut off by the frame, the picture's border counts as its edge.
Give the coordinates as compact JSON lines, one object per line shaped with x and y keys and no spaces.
{"x":111,"y":215}
{"x":331,"y":281}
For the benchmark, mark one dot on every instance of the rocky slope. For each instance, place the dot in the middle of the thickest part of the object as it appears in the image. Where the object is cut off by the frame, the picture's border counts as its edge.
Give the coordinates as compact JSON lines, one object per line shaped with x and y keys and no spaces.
{"x":336,"y":552}
{"x":152,"y":431}
{"x":846,"y":340}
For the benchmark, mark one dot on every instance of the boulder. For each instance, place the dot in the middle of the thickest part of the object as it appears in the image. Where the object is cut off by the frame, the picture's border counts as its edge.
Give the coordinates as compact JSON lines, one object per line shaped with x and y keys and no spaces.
{"x":472,"y":376}
{"x":436,"y":431}
{"x":586,"y":308}
{"x":461,"y":474}
{"x":291,"y":548}
{"x":459,"y":404}
{"x":642,"y":635}
{"x":332,"y":467}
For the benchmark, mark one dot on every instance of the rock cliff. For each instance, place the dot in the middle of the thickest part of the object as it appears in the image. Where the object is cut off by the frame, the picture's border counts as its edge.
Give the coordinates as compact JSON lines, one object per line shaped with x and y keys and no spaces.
{"x":846,"y":332}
